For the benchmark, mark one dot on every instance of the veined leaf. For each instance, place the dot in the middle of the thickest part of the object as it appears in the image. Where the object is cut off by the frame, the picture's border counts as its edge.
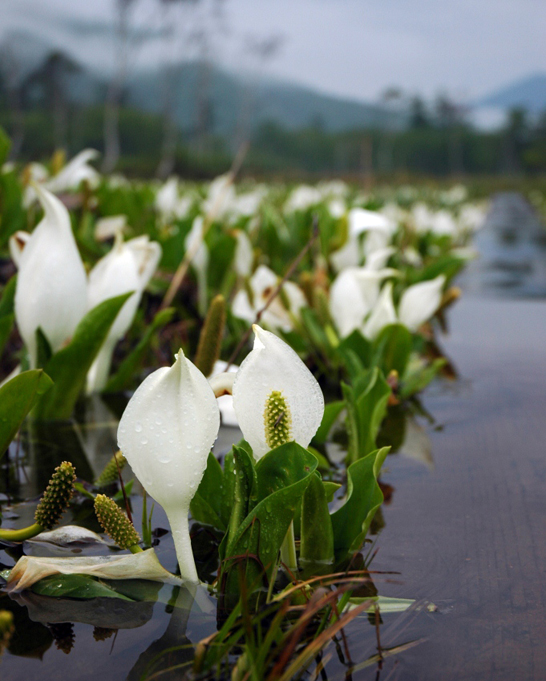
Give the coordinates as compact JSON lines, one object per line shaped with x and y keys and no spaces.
{"x":364,"y":496}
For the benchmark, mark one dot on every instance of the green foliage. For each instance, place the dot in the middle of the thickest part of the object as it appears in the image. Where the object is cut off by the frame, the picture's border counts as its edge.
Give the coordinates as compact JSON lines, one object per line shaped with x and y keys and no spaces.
{"x":366,"y":403}
{"x":317,"y":535}
{"x":17,"y":397}
{"x":331,"y":412}
{"x":420,"y":376}
{"x":270,"y":498}
{"x":129,"y":367}
{"x":68,"y":368}
{"x":392,"y":349}
{"x":212,"y":503}
{"x":7,"y":315}
{"x":352,"y":521}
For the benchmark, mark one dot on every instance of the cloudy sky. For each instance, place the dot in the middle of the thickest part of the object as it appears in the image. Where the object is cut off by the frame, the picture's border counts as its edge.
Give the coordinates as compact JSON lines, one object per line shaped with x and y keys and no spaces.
{"x":350,"y":48}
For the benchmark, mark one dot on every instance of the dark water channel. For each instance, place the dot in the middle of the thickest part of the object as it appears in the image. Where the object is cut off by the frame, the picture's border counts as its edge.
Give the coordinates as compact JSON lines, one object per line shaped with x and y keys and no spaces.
{"x":465,"y":526}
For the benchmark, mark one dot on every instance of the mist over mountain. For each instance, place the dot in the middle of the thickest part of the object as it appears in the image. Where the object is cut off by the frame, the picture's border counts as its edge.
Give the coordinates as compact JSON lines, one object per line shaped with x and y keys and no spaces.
{"x":233,"y":102}
{"x":528,"y":93}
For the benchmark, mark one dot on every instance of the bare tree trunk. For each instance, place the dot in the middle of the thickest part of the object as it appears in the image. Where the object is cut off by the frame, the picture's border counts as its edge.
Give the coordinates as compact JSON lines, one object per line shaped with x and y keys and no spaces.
{"x":112,"y":147}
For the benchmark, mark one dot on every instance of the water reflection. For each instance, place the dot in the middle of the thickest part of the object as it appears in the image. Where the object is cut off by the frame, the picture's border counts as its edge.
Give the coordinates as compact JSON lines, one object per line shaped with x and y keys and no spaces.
{"x":512,"y":251}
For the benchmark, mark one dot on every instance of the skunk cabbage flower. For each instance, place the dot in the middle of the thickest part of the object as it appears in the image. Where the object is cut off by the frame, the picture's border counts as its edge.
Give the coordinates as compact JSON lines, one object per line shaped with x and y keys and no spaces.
{"x":302,"y":198}
{"x":382,"y":314}
{"x":74,"y":172}
{"x":262,"y":284}
{"x":51,"y":285}
{"x":108,"y":227}
{"x":420,"y":301}
{"x":127,"y":267}
{"x":275,"y":396}
{"x":168,"y":202}
{"x":353,"y":295}
{"x":417,"y":305}
{"x":220,"y":197}
{"x":166,"y":433}
{"x":378,"y":229}
{"x":244,"y":255}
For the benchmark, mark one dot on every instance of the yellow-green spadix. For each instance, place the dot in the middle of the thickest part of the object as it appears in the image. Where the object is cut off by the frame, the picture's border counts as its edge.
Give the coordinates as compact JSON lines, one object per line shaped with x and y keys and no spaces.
{"x":166,"y":434}
{"x":274,"y":391}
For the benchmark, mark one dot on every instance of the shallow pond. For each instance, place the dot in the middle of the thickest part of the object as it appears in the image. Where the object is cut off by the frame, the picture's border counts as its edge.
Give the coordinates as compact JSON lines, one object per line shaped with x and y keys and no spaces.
{"x":464,"y":525}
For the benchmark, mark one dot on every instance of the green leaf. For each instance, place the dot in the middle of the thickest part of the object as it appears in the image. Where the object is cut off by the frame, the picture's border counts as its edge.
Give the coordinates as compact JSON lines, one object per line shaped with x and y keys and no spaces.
{"x":207,"y":505}
{"x":330,"y":488}
{"x":43,"y":347}
{"x":68,"y":368}
{"x":121,"y":380}
{"x":315,"y":329}
{"x":7,"y":302}
{"x":317,"y":535}
{"x":17,"y":397}
{"x":331,"y":411}
{"x":262,"y":532}
{"x":393,"y":348}
{"x":364,"y":496}
{"x":244,"y":493}
{"x":6,"y":325}
{"x":366,"y":408}
{"x":357,"y":344}
{"x":282,"y":467}
{"x":81,"y":587}
{"x":418,"y":379}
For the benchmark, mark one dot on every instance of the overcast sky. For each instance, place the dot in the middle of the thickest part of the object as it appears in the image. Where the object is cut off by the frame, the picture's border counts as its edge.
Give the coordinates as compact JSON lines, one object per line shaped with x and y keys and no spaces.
{"x":350,"y":48}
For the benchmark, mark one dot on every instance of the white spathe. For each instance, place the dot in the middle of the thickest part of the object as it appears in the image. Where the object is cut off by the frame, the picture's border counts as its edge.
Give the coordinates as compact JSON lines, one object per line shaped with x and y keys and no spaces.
{"x":417,"y":305}
{"x":51,"y":291}
{"x":166,"y":432}
{"x":420,"y":301}
{"x":127,"y":267}
{"x":77,"y":170}
{"x":244,"y":255}
{"x":225,"y":401}
{"x":382,"y":314}
{"x":274,"y":366}
{"x":353,"y":295}
{"x":379,"y":231}
{"x":262,"y":284}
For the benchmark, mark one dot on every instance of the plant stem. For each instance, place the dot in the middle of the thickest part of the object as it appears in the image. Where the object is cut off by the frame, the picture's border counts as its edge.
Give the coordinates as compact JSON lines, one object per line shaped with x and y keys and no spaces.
{"x":22,"y":534}
{"x":178,"y":520}
{"x":135,"y":548}
{"x":288,"y":550}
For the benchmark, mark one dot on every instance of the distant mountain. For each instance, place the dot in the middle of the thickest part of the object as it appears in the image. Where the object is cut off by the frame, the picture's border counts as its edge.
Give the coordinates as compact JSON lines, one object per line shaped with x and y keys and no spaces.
{"x":231,"y":99}
{"x":528,"y":93}
{"x":228,"y":100}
